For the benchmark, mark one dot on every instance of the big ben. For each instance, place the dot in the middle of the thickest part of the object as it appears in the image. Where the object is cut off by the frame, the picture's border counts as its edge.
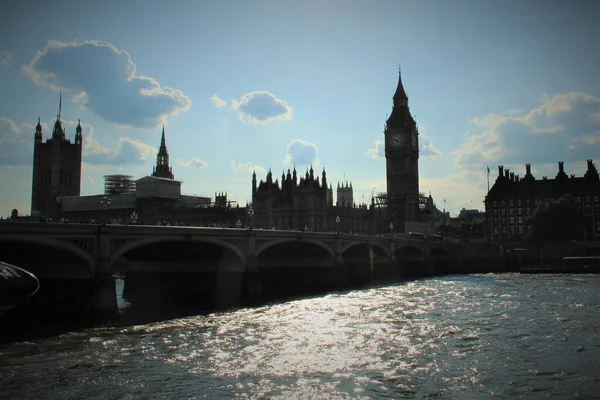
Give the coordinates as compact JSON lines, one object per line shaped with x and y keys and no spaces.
{"x":402,"y":162}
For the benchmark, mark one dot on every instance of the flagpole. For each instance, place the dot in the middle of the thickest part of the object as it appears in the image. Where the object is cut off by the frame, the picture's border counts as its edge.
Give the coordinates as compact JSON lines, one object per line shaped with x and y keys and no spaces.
{"x":488,"y":178}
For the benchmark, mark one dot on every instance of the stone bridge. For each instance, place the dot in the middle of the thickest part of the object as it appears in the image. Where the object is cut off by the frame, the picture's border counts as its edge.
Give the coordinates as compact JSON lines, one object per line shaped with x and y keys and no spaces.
{"x":81,"y":259}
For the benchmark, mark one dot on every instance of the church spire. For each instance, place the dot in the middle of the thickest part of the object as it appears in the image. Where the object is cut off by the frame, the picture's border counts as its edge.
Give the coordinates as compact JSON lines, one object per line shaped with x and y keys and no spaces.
{"x":162,"y":169}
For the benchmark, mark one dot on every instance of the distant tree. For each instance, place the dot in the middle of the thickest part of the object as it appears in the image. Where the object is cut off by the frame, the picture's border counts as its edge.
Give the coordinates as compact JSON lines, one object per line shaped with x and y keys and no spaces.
{"x":556,"y":220}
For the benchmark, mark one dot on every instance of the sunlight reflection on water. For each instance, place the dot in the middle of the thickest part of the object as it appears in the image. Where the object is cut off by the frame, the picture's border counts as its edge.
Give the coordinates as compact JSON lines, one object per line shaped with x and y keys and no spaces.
{"x":465,"y":336}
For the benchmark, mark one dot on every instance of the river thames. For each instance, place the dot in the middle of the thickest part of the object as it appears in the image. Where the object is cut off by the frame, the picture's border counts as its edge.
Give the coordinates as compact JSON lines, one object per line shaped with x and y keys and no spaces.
{"x":465,"y":336}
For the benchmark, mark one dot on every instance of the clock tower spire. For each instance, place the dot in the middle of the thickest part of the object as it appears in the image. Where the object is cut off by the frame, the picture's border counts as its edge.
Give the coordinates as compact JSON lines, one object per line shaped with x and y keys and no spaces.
{"x":402,"y":161}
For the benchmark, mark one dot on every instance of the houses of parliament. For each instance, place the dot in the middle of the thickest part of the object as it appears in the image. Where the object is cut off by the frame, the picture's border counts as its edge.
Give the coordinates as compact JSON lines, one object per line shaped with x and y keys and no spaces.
{"x":297,"y":201}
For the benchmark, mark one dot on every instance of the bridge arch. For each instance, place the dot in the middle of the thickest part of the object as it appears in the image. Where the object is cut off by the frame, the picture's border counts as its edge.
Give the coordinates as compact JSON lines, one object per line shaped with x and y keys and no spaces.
{"x":438,"y":251}
{"x":134,"y":244}
{"x":49,"y":243}
{"x":378,"y":248}
{"x":409,"y":250}
{"x":270,"y":244}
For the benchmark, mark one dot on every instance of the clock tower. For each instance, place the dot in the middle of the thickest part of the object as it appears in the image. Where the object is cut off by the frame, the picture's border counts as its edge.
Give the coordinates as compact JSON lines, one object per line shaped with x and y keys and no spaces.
{"x":402,"y":162}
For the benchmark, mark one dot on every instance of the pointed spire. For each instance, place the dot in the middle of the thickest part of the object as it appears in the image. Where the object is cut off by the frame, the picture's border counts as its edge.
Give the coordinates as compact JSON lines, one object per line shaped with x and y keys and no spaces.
{"x":400,"y":97}
{"x":59,"y":105}
{"x":163,"y":142}
{"x":78,"y":129}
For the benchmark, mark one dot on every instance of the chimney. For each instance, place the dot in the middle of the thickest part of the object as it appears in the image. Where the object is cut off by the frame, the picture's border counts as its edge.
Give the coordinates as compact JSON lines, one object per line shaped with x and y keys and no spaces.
{"x":516,"y":178}
{"x":512,"y":176}
{"x":572,"y":176}
{"x":507,"y":173}
{"x":500,"y":171}
{"x":544,"y":177}
{"x":590,"y":165}
{"x":561,"y":167}
{"x":527,"y":169}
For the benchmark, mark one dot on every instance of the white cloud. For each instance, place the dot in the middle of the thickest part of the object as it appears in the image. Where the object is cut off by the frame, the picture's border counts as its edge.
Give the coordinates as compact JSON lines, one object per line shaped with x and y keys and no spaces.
{"x":261,"y":107}
{"x":563,"y":127}
{"x":377,"y":151}
{"x":218,"y":102}
{"x":103,"y":79}
{"x":247,"y":167}
{"x":127,"y":151}
{"x":426,"y":147}
{"x":193,"y":162}
{"x":5,"y":57}
{"x":301,"y":152}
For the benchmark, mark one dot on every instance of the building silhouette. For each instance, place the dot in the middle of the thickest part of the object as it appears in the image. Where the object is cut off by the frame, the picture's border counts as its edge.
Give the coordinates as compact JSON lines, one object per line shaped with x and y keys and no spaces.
{"x":56,"y":168}
{"x":511,"y":201}
{"x":306,"y":203}
{"x":163,"y":168}
{"x":407,"y":209}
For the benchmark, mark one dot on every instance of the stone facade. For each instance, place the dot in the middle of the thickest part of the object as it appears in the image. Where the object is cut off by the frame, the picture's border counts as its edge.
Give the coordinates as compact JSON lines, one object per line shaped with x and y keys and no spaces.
{"x":511,"y":200}
{"x":306,"y":204}
{"x":56,"y":169}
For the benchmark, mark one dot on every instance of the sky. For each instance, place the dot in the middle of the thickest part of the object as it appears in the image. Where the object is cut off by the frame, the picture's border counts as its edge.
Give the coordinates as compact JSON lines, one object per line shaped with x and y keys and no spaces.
{"x":251,"y":85}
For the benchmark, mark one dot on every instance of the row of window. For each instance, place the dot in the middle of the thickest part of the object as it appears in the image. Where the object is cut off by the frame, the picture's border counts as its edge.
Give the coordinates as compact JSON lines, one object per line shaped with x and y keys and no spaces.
{"x":534,"y":202}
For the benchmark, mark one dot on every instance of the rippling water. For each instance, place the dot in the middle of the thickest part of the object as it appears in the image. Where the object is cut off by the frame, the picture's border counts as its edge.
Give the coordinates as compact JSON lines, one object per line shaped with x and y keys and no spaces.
{"x":496,"y":335}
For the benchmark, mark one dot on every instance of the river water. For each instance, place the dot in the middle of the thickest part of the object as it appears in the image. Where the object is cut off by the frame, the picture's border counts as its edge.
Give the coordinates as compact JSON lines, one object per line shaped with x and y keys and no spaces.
{"x":467,"y":336}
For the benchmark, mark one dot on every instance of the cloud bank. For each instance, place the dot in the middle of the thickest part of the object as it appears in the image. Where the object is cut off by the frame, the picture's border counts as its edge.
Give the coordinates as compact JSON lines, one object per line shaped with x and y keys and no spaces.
{"x":301,"y":152}
{"x":103,"y":79}
{"x":127,"y":151}
{"x":261,"y":107}
{"x":564,"y":127}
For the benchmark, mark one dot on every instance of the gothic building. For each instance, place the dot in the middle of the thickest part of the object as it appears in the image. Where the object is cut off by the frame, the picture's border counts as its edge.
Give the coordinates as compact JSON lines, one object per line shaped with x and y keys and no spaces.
{"x":56,"y":168}
{"x":162,"y":168}
{"x":511,"y":200}
{"x":306,"y":203}
{"x":407,"y":209}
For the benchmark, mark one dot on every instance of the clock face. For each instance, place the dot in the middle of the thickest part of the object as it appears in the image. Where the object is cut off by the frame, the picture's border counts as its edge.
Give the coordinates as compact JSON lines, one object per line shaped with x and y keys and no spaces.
{"x":396,"y":140}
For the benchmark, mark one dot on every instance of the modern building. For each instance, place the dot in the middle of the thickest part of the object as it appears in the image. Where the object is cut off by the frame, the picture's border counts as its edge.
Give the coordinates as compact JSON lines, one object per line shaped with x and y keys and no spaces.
{"x":56,"y":168}
{"x":511,"y":200}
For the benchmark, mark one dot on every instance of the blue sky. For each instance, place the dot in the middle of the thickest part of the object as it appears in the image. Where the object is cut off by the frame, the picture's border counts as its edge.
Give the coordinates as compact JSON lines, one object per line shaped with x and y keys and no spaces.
{"x":243,"y":85}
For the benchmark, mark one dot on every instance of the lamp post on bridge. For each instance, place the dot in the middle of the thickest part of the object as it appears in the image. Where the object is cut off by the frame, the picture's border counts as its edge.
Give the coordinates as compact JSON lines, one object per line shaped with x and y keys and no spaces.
{"x":250,"y":212}
{"x":337,"y":224}
{"x":105,"y":202}
{"x":133,"y":218}
{"x":238,"y":223}
{"x":391,"y":230}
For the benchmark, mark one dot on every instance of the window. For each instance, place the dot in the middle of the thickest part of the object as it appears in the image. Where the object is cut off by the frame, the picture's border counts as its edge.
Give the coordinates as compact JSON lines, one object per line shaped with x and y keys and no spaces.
{"x":520,"y":220}
{"x":519,"y":203}
{"x":520,"y":211}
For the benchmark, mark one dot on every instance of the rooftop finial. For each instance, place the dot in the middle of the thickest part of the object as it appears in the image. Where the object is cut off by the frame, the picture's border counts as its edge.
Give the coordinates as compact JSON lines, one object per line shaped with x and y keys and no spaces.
{"x":59,"y":104}
{"x":399,"y":68}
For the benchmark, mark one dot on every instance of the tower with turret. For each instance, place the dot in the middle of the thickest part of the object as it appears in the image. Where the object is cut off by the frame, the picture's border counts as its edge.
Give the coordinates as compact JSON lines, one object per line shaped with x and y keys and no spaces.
{"x":162,"y":168}
{"x":402,"y":161}
{"x":56,"y":168}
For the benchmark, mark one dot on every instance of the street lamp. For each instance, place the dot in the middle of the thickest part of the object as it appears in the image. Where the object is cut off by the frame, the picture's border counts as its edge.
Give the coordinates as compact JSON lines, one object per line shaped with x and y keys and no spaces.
{"x":391,"y":229}
{"x":105,"y":202}
{"x":250,"y":212}
{"x":134,"y":218}
{"x":337,"y":224}
{"x":238,"y":223}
